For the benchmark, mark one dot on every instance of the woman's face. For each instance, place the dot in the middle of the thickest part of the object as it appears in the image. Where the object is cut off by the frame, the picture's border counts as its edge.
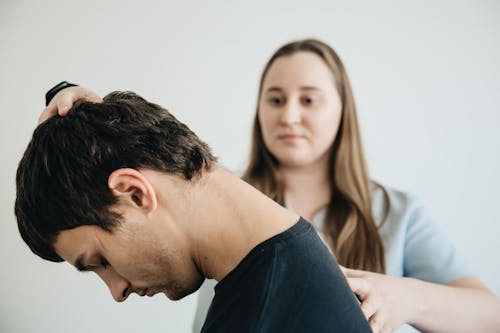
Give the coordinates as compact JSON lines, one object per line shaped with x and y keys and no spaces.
{"x":299,"y":110}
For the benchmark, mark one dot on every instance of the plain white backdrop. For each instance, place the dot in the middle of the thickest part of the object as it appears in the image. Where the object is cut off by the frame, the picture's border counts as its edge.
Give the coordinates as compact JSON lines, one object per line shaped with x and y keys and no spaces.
{"x":426,"y":76}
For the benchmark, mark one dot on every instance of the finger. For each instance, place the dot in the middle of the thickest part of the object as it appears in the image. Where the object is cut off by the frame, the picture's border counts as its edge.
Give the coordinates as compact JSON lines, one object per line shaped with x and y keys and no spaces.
{"x":63,"y":101}
{"x":64,"y":104}
{"x":369,"y":308}
{"x":67,"y":99}
{"x":91,"y":96}
{"x":355,"y":273}
{"x":49,"y":111}
{"x":359,"y":286}
{"x":376,"y":324}
{"x":60,"y":105}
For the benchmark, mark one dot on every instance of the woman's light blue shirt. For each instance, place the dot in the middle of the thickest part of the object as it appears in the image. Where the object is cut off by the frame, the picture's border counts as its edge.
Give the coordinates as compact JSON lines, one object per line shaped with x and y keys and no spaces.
{"x":415,"y":245}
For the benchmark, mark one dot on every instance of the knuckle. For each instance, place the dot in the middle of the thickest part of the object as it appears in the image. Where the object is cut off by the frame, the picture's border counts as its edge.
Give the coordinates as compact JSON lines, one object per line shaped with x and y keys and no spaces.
{"x":364,"y":285}
{"x":376,"y":323}
{"x":368,"y":308}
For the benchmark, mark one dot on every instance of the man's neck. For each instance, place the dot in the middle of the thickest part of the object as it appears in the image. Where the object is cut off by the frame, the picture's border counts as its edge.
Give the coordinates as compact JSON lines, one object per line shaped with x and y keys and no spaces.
{"x":231,"y":218}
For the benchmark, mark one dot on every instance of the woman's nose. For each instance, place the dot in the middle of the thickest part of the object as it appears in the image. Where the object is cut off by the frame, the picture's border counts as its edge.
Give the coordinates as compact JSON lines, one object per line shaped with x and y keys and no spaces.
{"x":291,"y":114}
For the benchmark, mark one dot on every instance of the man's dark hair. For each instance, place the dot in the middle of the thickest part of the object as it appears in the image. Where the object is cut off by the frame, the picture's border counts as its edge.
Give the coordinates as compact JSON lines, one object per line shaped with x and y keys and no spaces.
{"x":62,"y":179}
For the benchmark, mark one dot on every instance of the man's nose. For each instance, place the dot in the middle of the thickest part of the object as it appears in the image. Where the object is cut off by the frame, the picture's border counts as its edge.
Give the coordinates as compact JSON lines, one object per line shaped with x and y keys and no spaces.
{"x":118,"y":286}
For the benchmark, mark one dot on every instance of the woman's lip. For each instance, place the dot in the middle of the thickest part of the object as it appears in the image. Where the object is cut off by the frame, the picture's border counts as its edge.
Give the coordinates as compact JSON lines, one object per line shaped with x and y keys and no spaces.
{"x":290,"y":136}
{"x":149,"y":293}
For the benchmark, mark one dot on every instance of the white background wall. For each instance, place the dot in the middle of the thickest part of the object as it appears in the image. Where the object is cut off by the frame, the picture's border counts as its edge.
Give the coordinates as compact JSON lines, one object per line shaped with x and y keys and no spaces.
{"x":426,"y":75}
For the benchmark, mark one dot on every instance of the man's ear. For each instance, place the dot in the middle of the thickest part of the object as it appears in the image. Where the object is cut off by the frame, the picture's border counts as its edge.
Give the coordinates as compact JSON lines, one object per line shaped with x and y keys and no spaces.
{"x":131,"y":187}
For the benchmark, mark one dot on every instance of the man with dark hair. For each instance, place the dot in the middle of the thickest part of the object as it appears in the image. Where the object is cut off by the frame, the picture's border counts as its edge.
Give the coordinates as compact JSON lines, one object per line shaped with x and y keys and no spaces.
{"x":123,"y":189}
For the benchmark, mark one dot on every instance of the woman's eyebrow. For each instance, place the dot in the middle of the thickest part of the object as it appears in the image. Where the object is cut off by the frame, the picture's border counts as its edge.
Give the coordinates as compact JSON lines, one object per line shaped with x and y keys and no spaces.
{"x":308,"y":88}
{"x":302,"y":88}
{"x":274,"y":89}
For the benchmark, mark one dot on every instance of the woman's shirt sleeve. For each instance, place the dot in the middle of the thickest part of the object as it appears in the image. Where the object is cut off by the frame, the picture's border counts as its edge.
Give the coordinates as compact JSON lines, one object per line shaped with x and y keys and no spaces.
{"x":416,"y":245}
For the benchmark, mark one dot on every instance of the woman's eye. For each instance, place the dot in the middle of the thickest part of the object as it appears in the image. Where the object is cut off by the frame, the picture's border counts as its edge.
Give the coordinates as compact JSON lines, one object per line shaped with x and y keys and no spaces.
{"x":308,"y":100}
{"x":276,"y":101}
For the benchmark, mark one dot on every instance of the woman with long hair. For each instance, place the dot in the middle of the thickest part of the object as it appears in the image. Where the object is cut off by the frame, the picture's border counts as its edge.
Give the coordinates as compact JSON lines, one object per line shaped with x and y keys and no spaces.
{"x":306,"y":154}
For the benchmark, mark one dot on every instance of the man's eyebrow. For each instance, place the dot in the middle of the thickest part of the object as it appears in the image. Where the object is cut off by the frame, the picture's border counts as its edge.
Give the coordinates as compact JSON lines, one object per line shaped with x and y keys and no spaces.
{"x":79,"y":264}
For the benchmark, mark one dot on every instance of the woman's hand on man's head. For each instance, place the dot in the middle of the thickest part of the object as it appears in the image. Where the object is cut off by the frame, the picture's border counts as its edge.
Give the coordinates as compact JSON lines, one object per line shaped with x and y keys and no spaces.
{"x":64,"y":100}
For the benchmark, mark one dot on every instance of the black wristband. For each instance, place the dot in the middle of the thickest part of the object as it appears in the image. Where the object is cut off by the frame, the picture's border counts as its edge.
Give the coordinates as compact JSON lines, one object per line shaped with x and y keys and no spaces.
{"x":57,"y":88}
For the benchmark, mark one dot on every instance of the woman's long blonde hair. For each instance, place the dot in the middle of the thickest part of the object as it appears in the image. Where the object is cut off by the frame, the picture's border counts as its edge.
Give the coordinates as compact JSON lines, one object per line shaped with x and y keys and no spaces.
{"x":349,"y":225}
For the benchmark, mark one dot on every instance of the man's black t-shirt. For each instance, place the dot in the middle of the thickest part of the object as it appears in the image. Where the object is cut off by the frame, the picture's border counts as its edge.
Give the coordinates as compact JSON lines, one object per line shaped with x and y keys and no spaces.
{"x":288,"y":283}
